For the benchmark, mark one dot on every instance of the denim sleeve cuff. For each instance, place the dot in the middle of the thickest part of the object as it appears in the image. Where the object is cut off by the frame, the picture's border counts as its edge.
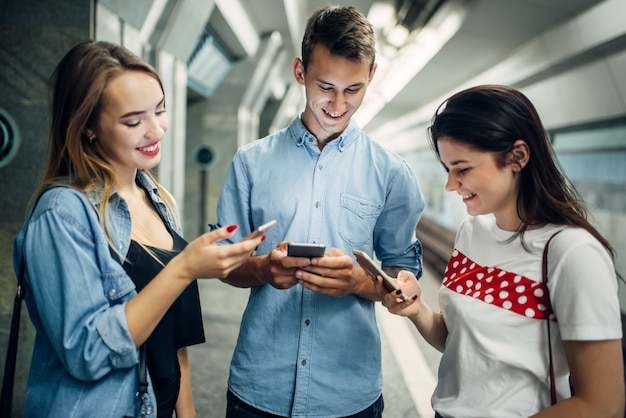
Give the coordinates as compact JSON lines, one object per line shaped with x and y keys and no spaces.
{"x":411,"y":260}
{"x":113,"y":330}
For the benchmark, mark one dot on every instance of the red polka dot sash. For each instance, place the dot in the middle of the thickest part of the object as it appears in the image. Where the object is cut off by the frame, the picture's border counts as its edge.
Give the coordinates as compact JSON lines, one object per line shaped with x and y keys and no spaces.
{"x":494,"y":286}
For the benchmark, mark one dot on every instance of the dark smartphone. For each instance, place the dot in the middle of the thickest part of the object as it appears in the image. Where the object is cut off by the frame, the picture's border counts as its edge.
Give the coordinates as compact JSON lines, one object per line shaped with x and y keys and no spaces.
{"x":373,"y":270}
{"x":260,"y":230}
{"x":298,"y":249}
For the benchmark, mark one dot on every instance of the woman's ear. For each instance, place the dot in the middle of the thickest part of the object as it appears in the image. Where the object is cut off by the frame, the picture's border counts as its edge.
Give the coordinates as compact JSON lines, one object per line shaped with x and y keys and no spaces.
{"x":520,"y":155}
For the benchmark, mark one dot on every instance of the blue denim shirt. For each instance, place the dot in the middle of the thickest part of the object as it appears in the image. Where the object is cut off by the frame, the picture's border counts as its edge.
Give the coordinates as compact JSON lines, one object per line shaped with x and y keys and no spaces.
{"x":84,"y":361}
{"x":302,"y":353}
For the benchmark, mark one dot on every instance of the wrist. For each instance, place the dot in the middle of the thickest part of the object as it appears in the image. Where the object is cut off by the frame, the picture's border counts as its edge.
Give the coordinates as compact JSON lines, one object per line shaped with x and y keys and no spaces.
{"x":363,"y":285}
{"x":263,"y":268}
{"x":179,"y":269}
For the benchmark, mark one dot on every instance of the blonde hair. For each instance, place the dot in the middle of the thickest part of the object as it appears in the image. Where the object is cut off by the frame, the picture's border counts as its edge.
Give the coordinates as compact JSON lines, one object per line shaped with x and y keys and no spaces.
{"x":77,"y":86}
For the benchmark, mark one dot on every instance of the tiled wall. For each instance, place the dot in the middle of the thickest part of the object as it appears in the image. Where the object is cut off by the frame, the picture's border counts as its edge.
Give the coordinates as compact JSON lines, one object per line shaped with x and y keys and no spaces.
{"x":34,"y":35}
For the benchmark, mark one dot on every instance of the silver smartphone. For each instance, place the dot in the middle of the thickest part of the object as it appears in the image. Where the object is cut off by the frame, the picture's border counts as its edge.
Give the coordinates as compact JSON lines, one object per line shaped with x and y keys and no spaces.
{"x":301,"y":249}
{"x":260,"y":230}
{"x":373,"y":270}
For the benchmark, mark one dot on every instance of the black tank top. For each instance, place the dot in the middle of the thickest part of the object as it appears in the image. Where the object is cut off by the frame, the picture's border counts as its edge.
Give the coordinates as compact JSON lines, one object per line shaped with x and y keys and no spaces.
{"x":181,"y":325}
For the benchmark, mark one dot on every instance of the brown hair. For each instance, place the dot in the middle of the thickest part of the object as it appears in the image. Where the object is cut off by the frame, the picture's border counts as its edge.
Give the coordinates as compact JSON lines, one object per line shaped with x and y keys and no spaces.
{"x":491,"y":118}
{"x":345,"y":31}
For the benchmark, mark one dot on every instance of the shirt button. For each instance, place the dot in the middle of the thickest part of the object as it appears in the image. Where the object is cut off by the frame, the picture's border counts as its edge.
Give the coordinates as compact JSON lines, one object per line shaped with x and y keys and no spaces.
{"x":307,"y":322}
{"x":310,"y":139}
{"x":320,"y":166}
{"x":303,"y":362}
{"x":317,"y":204}
{"x":112,"y":293}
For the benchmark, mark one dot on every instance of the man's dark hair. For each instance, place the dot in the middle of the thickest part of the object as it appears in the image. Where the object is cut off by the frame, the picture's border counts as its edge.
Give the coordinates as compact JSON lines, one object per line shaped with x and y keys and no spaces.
{"x":345,"y":31}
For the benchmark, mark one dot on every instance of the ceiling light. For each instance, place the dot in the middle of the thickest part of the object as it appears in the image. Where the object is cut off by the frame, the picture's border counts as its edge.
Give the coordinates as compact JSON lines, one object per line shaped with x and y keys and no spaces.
{"x":397,"y":36}
{"x":208,"y":65}
{"x":239,"y":22}
{"x":381,"y":15}
{"x":410,"y":59}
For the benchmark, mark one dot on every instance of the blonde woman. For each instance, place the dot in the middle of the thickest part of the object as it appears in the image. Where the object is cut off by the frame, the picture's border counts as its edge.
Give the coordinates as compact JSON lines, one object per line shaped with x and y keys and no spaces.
{"x":105,"y":266}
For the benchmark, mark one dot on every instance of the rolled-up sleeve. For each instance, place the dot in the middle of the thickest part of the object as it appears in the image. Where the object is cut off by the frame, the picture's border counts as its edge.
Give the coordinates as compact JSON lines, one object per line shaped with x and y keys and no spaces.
{"x":76,"y":296}
{"x":396,"y":225}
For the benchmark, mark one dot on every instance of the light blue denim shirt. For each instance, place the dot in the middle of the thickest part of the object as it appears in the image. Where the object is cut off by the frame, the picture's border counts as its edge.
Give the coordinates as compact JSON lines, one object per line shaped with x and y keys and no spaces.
{"x":84,"y":361}
{"x":302,"y":353}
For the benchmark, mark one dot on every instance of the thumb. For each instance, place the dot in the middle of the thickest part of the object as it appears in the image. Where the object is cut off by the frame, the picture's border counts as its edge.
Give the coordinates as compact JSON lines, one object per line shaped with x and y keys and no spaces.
{"x":282,"y":246}
{"x":404,"y":276}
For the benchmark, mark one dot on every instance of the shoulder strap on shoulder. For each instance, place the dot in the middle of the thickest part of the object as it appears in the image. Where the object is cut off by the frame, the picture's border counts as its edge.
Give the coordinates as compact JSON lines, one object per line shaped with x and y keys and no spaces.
{"x":544,"y":261}
{"x":6,"y":399}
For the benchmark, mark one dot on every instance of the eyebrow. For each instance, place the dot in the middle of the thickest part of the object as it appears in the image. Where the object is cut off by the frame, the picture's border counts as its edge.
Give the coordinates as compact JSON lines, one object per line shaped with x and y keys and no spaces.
{"x":140,"y":112}
{"x":452,"y":164}
{"x":458,"y":162}
{"x":334,"y":85}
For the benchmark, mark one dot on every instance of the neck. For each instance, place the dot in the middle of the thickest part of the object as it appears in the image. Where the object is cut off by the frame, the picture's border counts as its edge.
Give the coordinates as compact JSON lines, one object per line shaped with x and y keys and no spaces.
{"x":126,"y":182}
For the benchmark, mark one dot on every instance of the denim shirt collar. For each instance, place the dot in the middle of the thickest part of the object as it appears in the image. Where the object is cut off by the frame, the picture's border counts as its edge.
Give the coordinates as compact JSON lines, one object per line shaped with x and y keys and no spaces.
{"x":142,"y":178}
{"x":301,"y":135}
{"x":119,"y":215}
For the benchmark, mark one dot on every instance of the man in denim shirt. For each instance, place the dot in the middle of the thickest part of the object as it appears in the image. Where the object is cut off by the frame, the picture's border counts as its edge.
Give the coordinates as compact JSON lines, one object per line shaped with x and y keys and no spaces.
{"x":308,"y":344}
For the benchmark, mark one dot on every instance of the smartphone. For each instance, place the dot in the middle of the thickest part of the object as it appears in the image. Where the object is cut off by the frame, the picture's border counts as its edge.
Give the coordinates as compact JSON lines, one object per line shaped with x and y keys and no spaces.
{"x":373,"y":270}
{"x":260,"y":230}
{"x":298,"y":249}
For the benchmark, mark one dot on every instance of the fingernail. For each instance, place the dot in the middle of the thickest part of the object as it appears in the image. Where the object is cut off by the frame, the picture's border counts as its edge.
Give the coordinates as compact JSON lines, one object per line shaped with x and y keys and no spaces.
{"x":231,"y":228}
{"x":263,"y":238}
{"x":399,"y":292}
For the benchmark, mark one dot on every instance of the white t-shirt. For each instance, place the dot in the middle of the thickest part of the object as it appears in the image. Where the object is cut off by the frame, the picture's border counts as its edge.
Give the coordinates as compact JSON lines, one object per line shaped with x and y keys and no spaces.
{"x":495,"y":363}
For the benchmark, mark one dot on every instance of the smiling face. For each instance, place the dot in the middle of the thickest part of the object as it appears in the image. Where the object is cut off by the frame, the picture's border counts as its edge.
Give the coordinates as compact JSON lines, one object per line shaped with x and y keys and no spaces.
{"x":132,"y":123}
{"x":335,"y":87}
{"x":484,"y":185}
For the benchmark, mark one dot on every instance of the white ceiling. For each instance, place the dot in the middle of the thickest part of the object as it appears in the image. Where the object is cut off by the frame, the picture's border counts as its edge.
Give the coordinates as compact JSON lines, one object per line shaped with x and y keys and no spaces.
{"x":490,"y":32}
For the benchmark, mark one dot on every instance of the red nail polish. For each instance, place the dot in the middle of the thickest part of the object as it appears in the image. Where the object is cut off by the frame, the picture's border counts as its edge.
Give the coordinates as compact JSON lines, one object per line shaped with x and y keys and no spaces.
{"x":263,"y":238}
{"x":231,"y":228}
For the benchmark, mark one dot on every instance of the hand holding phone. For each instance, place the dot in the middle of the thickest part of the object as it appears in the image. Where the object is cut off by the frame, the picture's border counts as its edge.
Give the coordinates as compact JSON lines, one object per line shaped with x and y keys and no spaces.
{"x":373,"y":270}
{"x":310,"y":250}
{"x":260,"y":230}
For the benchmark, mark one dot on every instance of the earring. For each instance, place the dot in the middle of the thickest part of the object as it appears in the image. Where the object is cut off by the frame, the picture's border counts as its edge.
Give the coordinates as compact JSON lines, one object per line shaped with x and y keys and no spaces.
{"x":91,"y":138}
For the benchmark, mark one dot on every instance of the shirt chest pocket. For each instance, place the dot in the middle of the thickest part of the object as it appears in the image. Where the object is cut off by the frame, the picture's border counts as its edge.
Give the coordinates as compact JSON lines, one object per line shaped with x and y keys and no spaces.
{"x":357,"y":219}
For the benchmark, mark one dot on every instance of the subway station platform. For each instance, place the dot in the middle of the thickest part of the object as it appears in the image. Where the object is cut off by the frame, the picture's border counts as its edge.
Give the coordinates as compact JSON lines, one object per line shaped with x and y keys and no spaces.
{"x":409,"y":363}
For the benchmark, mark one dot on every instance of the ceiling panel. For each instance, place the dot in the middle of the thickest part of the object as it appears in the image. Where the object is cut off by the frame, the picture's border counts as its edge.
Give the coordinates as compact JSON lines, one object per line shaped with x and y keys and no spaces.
{"x":491,"y":31}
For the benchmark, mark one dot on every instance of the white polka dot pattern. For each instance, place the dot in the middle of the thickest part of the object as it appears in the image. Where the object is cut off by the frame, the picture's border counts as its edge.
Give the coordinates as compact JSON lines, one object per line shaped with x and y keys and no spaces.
{"x":494,"y":286}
